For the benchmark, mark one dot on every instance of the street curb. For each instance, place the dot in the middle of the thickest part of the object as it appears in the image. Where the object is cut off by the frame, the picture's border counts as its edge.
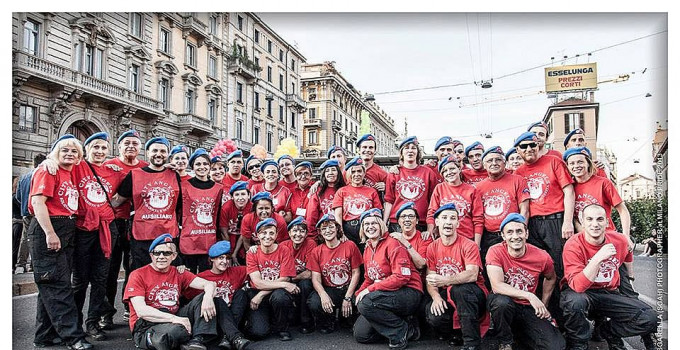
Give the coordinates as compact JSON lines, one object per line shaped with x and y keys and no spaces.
{"x":26,"y":285}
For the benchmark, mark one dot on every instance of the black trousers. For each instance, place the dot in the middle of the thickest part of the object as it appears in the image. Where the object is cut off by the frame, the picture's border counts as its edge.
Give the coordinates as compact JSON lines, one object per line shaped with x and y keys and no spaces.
{"x":510,"y":318}
{"x":302,"y":314}
{"x":90,"y":267}
{"x":351,"y":231}
{"x":547,"y":235}
{"x":197,"y":262}
{"x":470,"y":305}
{"x":322,"y":318}
{"x":271,"y":315}
{"x":628,"y":316}
{"x":384,"y":313}
{"x":120,"y":254}
{"x":56,"y":312}
{"x":239,"y":305}
{"x":17,"y":228}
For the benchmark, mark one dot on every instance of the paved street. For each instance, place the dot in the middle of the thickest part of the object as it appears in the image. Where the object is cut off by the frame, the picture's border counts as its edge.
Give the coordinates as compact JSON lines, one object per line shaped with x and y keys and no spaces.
{"x":24,"y":318}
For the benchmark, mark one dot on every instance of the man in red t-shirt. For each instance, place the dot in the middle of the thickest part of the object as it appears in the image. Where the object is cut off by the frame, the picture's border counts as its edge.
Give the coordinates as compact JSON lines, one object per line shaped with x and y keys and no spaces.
{"x":287,"y":170}
{"x":514,"y":269}
{"x":590,"y":286}
{"x":156,"y":319}
{"x":234,"y":168}
{"x":541,"y":131}
{"x":476,"y":172}
{"x":375,"y":175}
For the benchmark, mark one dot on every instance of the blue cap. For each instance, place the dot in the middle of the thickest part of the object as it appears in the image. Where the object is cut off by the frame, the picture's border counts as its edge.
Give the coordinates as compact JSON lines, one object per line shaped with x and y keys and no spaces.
{"x":61,"y":138}
{"x":326,"y":217}
{"x":297,"y":221}
{"x":442,"y":141}
{"x":236,"y":153}
{"x":493,"y":149}
{"x":268,"y":163}
{"x":446,"y":160}
{"x":527,"y":136}
{"x":405,"y":206}
{"x":265,"y":223}
{"x":262,"y":195}
{"x":510,"y":152}
{"x":199,"y":152}
{"x":355,"y":161}
{"x":162,"y":239}
{"x":474,"y":146}
{"x":97,"y":136}
{"x":304,"y":164}
{"x":513,"y":217}
{"x":129,"y":133}
{"x":179,"y":149}
{"x":406,"y":141}
{"x":572,"y":133}
{"x":541,"y":124}
{"x":238,"y":186}
{"x":161,"y":140}
{"x":576,"y":150}
{"x":219,"y":248}
{"x":447,"y":206}
{"x":365,"y":137}
{"x":285,"y":156}
{"x":333,"y":149}
{"x":371,"y":212}
{"x":329,"y":163}
{"x":215,"y":159}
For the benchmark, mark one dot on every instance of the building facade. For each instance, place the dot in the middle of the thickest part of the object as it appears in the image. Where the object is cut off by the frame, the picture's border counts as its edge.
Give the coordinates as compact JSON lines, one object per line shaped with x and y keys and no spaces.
{"x":635,"y":187}
{"x":333,"y":115}
{"x":185,"y":76}
{"x":569,"y":114}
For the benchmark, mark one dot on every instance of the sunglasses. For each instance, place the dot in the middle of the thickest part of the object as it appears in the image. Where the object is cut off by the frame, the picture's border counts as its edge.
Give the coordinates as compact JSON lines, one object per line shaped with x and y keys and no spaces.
{"x":528,"y":145}
{"x":162,"y":252}
{"x":253,"y":167}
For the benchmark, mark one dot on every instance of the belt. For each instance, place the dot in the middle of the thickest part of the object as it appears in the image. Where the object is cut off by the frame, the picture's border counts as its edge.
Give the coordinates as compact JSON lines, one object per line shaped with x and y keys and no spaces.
{"x":354,"y":222}
{"x":548,"y":217}
{"x":63,"y":217}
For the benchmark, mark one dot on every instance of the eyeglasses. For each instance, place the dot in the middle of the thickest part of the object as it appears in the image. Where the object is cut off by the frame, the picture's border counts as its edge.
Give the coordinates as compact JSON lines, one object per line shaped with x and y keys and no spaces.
{"x":459,"y":151}
{"x":253,"y":167}
{"x":305,"y":174}
{"x":162,"y":252}
{"x":408,"y":216}
{"x":528,"y":145}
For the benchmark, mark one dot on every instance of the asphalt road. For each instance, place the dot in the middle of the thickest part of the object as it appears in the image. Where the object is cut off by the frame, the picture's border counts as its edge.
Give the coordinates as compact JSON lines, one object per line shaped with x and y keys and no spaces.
{"x":23,"y":322}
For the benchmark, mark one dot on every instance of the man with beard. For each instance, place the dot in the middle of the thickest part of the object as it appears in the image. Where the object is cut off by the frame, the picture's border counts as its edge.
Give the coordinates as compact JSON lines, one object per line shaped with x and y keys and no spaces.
{"x":475,"y":173}
{"x":590,"y":287}
{"x":515,"y":268}
{"x":234,"y":168}
{"x":156,"y":194}
{"x":129,"y":144}
{"x":541,"y":131}
{"x":375,"y":175}
{"x":286,"y":169}
{"x":303,"y":180}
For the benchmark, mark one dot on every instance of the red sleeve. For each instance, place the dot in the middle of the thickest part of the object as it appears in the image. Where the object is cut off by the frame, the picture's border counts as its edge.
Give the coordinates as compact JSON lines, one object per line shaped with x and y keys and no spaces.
{"x":355,"y":259}
{"x":281,"y":228}
{"x":312,"y":215}
{"x":287,"y":207}
{"x":185,"y":280}
{"x":389,"y":188}
{"x":548,"y":267}
{"x":400,"y":262}
{"x":247,"y":226}
{"x":611,"y":193}
{"x":493,"y":258}
{"x":477,"y":212}
{"x":433,"y":181}
{"x":434,"y":204}
{"x":629,"y":257}
{"x":42,"y":183}
{"x":574,"y":263}
{"x":422,"y":250}
{"x":251,"y":262}
{"x":562,"y":174}
{"x":135,"y":286}
{"x":522,"y":190}
{"x":313,"y":260}
{"x":471,"y":255}
{"x":338,"y":198}
{"x":367,"y":282}
{"x":431,"y":257}
{"x":376,"y":199}
{"x":287,"y":263}
{"x":223,"y":215}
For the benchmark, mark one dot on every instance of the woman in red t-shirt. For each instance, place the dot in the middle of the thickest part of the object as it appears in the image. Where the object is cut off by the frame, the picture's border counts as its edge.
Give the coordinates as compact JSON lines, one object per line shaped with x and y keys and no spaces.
{"x":512,"y":160}
{"x":217,"y":169}
{"x":263,"y":208}
{"x":321,"y":202}
{"x":179,"y":158}
{"x":280,"y":194}
{"x":252,"y":170}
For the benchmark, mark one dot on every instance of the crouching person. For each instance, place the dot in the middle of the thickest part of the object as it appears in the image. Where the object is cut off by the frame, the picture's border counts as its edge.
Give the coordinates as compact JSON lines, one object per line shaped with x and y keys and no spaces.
{"x":514,"y":269}
{"x":156,"y":319}
{"x":590,"y":286}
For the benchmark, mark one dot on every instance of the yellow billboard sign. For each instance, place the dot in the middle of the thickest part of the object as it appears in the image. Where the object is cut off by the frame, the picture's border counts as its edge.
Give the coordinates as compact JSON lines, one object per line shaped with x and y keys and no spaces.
{"x":571,"y":78}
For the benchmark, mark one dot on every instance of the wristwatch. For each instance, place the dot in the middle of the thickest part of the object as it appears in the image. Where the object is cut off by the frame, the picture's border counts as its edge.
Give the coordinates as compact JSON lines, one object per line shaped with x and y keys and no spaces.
{"x":347,"y":299}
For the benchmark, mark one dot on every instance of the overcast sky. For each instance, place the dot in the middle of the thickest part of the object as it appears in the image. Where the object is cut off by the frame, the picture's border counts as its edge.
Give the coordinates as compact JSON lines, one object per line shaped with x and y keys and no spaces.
{"x":380,"y":53}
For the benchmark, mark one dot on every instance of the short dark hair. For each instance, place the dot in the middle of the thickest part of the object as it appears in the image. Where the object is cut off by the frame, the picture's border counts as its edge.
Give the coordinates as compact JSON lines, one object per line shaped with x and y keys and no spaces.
{"x":39,"y":158}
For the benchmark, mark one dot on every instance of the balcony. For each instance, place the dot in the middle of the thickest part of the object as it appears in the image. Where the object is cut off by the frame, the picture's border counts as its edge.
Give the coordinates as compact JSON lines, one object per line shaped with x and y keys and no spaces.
{"x":312,"y":123}
{"x":336,"y":125}
{"x":195,"y":124}
{"x":192,"y":26}
{"x":47,"y":71}
{"x":353,"y":135}
{"x":243,"y":66}
{"x":296,"y":102}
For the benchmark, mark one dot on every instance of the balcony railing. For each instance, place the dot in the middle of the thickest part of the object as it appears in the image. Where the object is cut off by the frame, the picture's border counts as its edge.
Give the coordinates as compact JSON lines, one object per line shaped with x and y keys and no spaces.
{"x":336,"y":125}
{"x":195,"y":123}
{"x":296,"y":101}
{"x":353,"y":135}
{"x":56,"y":73}
{"x":192,"y":25}
{"x":312,"y":122}
{"x":244,"y":67}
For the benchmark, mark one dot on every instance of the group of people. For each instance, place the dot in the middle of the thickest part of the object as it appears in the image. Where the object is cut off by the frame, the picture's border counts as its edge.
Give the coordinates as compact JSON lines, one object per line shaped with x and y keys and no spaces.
{"x":518,"y":246}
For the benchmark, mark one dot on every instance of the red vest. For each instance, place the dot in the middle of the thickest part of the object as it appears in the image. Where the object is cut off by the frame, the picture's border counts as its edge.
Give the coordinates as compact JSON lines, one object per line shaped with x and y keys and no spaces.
{"x":199,"y":218}
{"x":154,"y":196}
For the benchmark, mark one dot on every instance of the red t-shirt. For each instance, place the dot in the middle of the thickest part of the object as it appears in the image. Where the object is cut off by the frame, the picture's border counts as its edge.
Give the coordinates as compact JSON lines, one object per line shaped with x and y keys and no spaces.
{"x":435,"y":170}
{"x":597,"y":190}
{"x":228,"y":282}
{"x":411,"y":185}
{"x":272,"y":266}
{"x":185,"y":177}
{"x":335,"y":264}
{"x":252,"y":183}
{"x":298,"y":201}
{"x":501,"y":197}
{"x":578,"y":252}
{"x":288,"y":185}
{"x":93,"y":205}
{"x":229,"y":218}
{"x":473,"y":177}
{"x":545,"y":179}
{"x":319,"y":205}
{"x":161,"y":290}
{"x":280,"y":196}
{"x":123,"y":210}
{"x":554,"y":153}
{"x":301,"y":254}
{"x":356,"y":200}
{"x":468,"y":203}
{"x":453,"y":259}
{"x":420,"y":244}
{"x":523,"y":272}
{"x":62,"y":194}
{"x":249,"y":224}
{"x":389,"y":267}
{"x":375,"y":174}
{"x":227,"y":182}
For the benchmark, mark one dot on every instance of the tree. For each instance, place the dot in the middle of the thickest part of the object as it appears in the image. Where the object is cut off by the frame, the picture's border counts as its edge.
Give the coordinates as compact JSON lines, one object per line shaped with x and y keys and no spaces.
{"x":646,"y":216}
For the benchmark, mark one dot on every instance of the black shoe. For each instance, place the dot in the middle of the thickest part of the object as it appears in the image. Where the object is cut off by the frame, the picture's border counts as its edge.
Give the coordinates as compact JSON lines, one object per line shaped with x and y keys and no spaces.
{"x":400,"y":345}
{"x":225,"y":344}
{"x":81,"y":344}
{"x":126,"y":316}
{"x":95,"y":333}
{"x":106,"y":322}
{"x":54,"y":342}
{"x":649,"y":340}
{"x":596,"y":336}
{"x":456,"y":340}
{"x":285,"y":336}
{"x":195,"y":343}
{"x":413,"y":332}
{"x":306,"y":329}
{"x":616,"y":344}
{"x":241,"y":343}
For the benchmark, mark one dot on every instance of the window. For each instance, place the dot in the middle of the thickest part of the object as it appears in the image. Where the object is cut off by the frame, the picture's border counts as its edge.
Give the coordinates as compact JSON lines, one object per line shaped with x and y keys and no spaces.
{"x":281,"y":115}
{"x":269,"y":46}
{"x":31,"y":37}
{"x":136,"y":24}
{"x":212,"y":67}
{"x":164,"y":40}
{"x":292,"y":91}
{"x":292,"y":64}
{"x":256,"y":101}
{"x":312,"y":113}
{"x":212,"y":25}
{"x":270,"y":135}
{"x":164,"y":92}
{"x":240,"y":23}
{"x":239,"y":92}
{"x":134,"y":78}
{"x":191,"y":55}
{"x":257,"y":36}
{"x":212,"y":109}
{"x":257,"y":61}
{"x":189,"y":101}
{"x":269,"y":74}
{"x":93,"y":60}
{"x":281,"y":56}
{"x":312,"y":137}
{"x":239,"y":129}
{"x":573,"y":121}
{"x":27,"y":118}
{"x":281,"y":82}
{"x":256,"y":134}
{"x":269,"y":108}
{"x":292,"y":120}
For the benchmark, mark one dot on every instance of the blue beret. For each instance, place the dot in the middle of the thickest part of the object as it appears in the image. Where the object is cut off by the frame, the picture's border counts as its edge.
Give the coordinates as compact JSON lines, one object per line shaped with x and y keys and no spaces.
{"x":326,"y":217}
{"x":333,"y":149}
{"x":474,"y":146}
{"x":493,"y":149}
{"x":329,"y":163}
{"x":513,"y":217}
{"x":355,"y":161}
{"x":268,"y":163}
{"x":162,"y":239}
{"x":448,"y":206}
{"x":365,"y":137}
{"x":219,"y":248}
{"x":527,"y":136}
{"x":264,"y":223}
{"x":405,"y":206}
{"x":541,"y":124}
{"x":304,"y":164}
{"x":129,"y":133}
{"x":446,"y":160}
{"x":442,"y":141}
{"x":371,"y":212}
{"x":297,"y":221}
{"x":215,"y":159}
{"x":199,"y":152}
{"x":262,"y":195}
{"x":236,"y":153}
{"x":406,"y":141}
{"x":238,"y":186}
{"x":179,"y":149}
{"x":576,"y":150}
{"x":61,"y":138}
{"x":97,"y":136}
{"x":250,"y":157}
{"x":572,"y":133}
{"x":510,"y":152}
{"x":161,"y":140}
{"x":285,"y":156}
